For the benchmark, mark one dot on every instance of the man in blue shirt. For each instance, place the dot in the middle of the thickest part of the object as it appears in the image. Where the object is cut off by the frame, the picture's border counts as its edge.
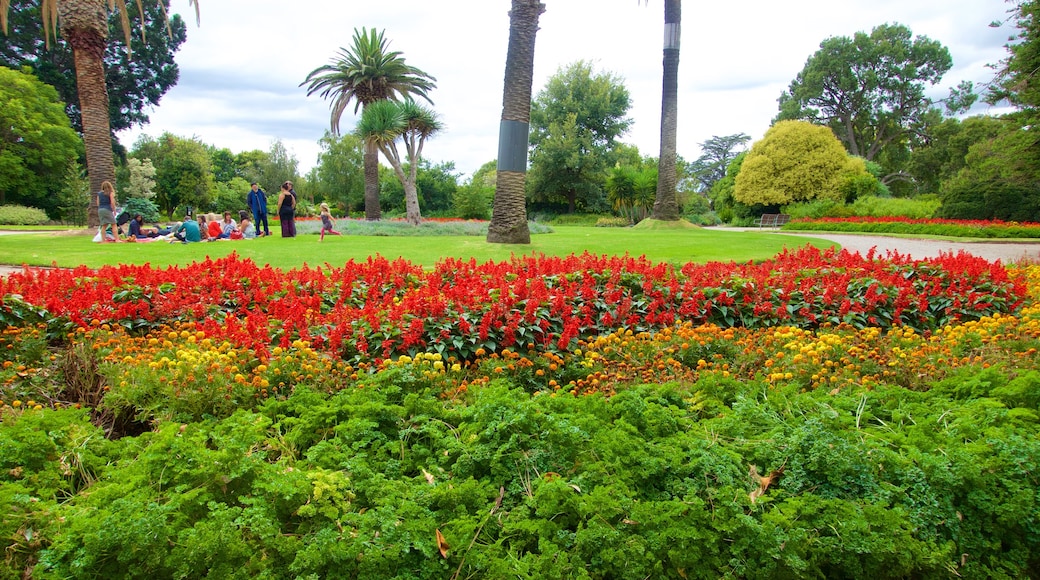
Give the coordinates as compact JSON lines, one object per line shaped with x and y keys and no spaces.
{"x":257,"y":201}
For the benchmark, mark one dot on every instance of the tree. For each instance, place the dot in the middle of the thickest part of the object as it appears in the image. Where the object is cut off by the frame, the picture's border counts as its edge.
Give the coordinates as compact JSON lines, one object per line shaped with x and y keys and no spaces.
{"x":944,"y":152}
{"x":383,"y":123}
{"x":631,"y":190}
{"x":575,"y":122}
{"x":869,"y":89}
{"x":666,"y":205}
{"x":84,"y":25}
{"x":276,"y":167}
{"x":509,"y":208}
{"x":338,"y":176}
{"x":133,"y":83}
{"x":141,"y":178}
{"x":795,"y":161}
{"x":364,"y":74}
{"x":36,"y":143}
{"x":183,"y":173}
{"x":716,"y":155}
{"x":998,"y":181}
{"x":1016,"y":81}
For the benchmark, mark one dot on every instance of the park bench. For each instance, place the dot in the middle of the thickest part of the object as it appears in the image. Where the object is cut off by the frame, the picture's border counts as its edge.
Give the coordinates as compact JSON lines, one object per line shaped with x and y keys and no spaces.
{"x":772,"y":220}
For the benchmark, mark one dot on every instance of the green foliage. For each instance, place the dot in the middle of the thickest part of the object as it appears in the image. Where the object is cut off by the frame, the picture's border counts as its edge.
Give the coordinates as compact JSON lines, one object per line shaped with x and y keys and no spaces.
{"x":148,"y":210}
{"x":575,"y":122}
{"x":36,"y":143}
{"x":716,"y":155}
{"x":74,"y":196}
{"x":338,"y":177}
{"x":795,"y":161}
{"x":921,"y":207}
{"x":870,"y":90}
{"x":998,"y":181}
{"x":136,"y":80}
{"x":18,"y":215}
{"x":473,"y":201}
{"x":183,"y":172}
{"x":141,"y":178}
{"x":631,"y":190}
{"x":231,"y":196}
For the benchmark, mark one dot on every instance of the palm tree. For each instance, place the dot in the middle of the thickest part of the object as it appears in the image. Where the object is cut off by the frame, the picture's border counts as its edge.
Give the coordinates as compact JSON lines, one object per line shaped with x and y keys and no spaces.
{"x":366,"y":73}
{"x":509,"y":211}
{"x":666,"y":204}
{"x":382,"y":123}
{"x":84,"y":25}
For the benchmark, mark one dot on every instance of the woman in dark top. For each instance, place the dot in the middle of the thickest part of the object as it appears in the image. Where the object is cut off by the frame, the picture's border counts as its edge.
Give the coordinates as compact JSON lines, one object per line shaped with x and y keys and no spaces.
{"x":287,"y":210}
{"x":106,"y":204}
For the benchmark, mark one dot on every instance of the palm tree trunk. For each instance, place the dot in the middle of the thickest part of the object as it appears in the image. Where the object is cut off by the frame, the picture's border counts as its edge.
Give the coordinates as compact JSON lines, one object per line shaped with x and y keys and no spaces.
{"x":371,"y":164}
{"x":666,"y":204}
{"x":84,"y":25}
{"x":509,"y":209}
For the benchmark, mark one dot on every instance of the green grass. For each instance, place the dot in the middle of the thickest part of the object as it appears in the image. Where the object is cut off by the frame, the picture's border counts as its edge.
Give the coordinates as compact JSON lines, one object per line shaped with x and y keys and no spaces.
{"x":659,"y":245}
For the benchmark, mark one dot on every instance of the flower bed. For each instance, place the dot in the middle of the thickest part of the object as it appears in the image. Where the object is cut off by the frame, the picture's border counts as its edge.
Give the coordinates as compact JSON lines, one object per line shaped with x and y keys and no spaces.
{"x":380,"y":309}
{"x":992,"y":229}
{"x":224,"y":432}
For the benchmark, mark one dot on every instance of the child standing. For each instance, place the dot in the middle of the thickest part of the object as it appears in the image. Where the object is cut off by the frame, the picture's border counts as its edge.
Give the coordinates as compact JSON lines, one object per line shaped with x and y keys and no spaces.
{"x":326,"y":222}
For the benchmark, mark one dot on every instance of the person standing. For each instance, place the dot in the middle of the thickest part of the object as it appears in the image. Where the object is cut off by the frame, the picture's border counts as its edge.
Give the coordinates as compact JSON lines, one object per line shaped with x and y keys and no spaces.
{"x":106,"y":203}
{"x":287,"y":210}
{"x":257,"y":201}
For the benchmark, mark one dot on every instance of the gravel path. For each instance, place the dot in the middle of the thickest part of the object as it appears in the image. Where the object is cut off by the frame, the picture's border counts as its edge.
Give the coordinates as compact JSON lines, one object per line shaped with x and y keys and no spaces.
{"x":920,"y":249}
{"x":916,"y":248}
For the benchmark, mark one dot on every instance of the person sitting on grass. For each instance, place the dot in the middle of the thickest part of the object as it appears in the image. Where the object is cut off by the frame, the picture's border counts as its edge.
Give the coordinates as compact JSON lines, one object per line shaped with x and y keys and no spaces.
{"x":139,"y":232}
{"x":246,"y":229}
{"x":326,"y":223}
{"x":188,"y":231}
{"x":214,"y":228}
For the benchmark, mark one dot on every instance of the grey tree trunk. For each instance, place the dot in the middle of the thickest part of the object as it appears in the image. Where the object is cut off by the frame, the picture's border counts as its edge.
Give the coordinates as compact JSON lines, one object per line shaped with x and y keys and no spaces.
{"x":371,"y":164}
{"x":666,"y":203}
{"x":509,"y":209}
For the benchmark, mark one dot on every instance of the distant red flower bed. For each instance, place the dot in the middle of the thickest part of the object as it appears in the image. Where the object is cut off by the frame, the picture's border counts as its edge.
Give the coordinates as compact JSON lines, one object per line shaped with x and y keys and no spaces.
{"x":377,"y":309}
{"x":904,"y":225}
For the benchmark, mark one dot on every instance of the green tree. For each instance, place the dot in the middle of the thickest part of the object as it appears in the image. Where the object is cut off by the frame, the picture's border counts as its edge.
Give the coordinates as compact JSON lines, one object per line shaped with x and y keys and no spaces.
{"x":999,"y":180}
{"x":632,"y":190}
{"x":338,"y":177}
{"x":575,"y":122}
{"x":36,"y":143}
{"x":135,"y":80}
{"x":943,"y":155}
{"x":509,"y":208}
{"x":383,"y":123}
{"x":277,"y":166}
{"x":716,"y":155}
{"x":84,"y":25}
{"x":225,"y":167}
{"x":1016,"y":81}
{"x":141,"y":178}
{"x":365,"y":73}
{"x":472,"y":199}
{"x":870,"y":89}
{"x":795,"y":161}
{"x":183,"y":173}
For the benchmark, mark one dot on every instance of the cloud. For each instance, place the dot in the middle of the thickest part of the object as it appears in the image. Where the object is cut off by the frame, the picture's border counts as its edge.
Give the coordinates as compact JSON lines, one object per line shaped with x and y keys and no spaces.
{"x":241,"y":69}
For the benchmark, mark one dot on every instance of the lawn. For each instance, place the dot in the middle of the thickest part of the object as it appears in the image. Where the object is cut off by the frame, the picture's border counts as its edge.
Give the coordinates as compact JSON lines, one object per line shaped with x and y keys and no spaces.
{"x":659,"y":245}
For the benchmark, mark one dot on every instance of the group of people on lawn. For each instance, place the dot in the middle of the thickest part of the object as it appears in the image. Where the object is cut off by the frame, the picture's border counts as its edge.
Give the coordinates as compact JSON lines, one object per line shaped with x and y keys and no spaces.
{"x":210,"y":227}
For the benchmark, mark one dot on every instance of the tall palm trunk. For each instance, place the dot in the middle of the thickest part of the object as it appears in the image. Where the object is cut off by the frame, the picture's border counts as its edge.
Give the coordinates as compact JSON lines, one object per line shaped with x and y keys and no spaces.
{"x":370,"y":159}
{"x":84,"y":25}
{"x":509,"y":210}
{"x":666,"y":204}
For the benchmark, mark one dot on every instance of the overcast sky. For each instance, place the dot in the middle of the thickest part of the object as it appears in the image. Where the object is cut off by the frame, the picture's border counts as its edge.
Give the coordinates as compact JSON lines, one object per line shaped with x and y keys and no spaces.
{"x":242,"y":67}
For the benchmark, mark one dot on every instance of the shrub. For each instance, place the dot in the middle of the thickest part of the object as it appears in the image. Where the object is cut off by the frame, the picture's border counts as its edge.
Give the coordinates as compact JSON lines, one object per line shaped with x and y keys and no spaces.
{"x":19,"y":215}
{"x":473,"y":202}
{"x":612,"y":222}
{"x":139,"y":205}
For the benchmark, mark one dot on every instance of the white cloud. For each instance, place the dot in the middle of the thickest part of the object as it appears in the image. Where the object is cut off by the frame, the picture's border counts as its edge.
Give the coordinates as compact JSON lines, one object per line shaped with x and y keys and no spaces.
{"x":241,"y":69}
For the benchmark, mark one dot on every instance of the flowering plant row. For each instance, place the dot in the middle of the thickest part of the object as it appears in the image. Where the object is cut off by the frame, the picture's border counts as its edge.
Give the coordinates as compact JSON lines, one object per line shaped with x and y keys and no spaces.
{"x":905,"y":225}
{"x":379,"y":309}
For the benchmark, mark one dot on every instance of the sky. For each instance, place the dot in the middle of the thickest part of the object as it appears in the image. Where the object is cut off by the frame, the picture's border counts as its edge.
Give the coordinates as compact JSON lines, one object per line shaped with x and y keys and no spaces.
{"x":242,"y":66}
